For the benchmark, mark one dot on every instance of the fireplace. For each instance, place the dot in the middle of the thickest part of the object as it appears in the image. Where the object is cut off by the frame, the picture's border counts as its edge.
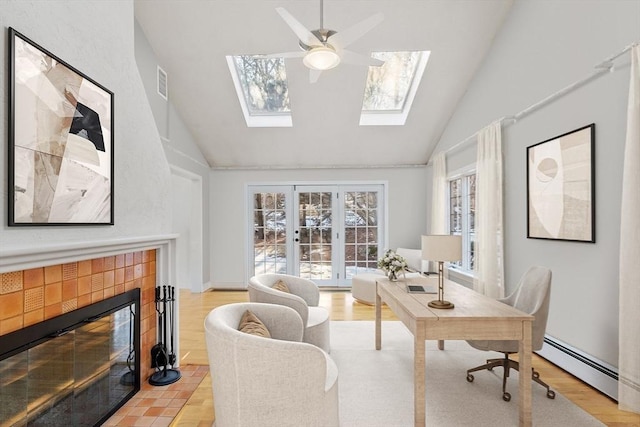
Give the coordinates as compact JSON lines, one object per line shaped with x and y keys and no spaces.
{"x":77,"y":368}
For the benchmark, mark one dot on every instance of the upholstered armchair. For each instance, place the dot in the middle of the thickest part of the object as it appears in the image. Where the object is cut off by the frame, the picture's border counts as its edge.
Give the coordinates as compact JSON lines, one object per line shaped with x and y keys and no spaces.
{"x":532,"y":296}
{"x":303,"y":297}
{"x":277,"y":381}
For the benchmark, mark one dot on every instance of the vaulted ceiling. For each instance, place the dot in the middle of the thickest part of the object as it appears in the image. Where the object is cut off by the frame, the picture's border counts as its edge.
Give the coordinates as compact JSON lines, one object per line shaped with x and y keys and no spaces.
{"x":191,"y":39}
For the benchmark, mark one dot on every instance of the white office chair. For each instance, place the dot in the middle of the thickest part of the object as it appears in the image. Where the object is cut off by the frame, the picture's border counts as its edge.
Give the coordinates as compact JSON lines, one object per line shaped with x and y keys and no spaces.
{"x":531,"y":296}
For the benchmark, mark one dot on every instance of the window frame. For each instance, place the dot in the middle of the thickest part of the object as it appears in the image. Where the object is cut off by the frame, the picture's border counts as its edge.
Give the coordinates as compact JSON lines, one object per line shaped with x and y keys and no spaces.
{"x":462,"y":174}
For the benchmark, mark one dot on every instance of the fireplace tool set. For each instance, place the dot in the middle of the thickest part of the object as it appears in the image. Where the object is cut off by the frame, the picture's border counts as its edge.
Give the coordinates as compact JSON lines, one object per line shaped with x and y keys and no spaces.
{"x":163,"y":358}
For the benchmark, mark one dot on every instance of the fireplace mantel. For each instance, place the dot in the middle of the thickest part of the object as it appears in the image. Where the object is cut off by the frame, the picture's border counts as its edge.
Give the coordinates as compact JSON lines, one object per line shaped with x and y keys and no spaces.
{"x":41,"y":255}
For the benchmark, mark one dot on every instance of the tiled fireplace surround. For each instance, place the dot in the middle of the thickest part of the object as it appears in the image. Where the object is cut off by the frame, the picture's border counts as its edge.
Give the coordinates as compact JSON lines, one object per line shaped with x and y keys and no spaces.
{"x":54,"y":283}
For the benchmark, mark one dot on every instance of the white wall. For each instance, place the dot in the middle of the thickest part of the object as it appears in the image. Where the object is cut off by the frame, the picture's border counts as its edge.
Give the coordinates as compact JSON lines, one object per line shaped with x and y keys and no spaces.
{"x":96,"y":37}
{"x":178,"y":143}
{"x":407,"y":210}
{"x":543,"y":47}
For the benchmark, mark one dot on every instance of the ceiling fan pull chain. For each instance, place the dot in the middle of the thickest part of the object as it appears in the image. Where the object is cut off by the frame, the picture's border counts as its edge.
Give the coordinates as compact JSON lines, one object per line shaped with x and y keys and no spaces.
{"x":322,"y":14}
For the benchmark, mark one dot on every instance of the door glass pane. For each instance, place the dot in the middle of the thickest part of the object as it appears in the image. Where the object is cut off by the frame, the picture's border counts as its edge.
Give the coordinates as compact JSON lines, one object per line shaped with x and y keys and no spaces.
{"x":361,"y":231}
{"x":269,"y":233}
{"x":315,"y":230}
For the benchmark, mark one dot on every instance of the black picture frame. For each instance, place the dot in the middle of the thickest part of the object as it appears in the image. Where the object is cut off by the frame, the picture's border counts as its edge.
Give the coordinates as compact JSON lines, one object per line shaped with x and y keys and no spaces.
{"x":61,"y":141}
{"x":561,"y":197}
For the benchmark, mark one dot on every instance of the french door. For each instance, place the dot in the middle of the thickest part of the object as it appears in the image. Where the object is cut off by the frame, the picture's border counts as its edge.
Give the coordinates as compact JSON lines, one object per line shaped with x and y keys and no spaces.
{"x":326,"y":233}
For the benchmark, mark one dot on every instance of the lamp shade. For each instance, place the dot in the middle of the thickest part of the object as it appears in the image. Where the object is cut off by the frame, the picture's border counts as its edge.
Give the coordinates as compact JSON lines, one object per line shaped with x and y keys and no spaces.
{"x":321,"y":58}
{"x":445,"y":247}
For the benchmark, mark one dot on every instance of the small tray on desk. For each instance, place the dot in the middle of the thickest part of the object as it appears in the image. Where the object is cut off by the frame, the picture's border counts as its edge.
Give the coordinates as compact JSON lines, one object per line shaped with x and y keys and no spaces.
{"x":421,"y":289}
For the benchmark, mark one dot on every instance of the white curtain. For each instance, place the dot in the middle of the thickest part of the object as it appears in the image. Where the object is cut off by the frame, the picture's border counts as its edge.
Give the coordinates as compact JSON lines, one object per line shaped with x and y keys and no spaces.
{"x":439,"y":195}
{"x":629,"y":351}
{"x":489,"y":255}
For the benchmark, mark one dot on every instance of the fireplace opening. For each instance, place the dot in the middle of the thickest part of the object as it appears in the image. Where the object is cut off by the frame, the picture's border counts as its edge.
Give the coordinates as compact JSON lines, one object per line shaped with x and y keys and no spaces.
{"x":75,"y":369}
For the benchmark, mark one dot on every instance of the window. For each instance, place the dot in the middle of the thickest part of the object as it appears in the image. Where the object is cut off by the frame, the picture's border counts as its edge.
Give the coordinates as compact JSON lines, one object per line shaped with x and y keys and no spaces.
{"x":462,"y":210}
{"x":262,"y":89}
{"x":390,"y":88}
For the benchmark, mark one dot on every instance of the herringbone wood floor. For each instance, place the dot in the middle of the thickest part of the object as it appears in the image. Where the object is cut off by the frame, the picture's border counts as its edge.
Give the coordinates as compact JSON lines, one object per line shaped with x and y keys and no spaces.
{"x":198,"y":410}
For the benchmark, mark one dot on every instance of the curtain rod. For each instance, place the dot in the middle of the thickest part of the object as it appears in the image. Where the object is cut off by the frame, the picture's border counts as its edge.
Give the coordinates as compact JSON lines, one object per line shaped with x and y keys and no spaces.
{"x":601,"y":68}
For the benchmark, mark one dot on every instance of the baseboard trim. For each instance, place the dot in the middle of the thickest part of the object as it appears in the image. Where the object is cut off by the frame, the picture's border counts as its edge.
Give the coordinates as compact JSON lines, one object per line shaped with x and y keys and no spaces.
{"x":596,"y":373}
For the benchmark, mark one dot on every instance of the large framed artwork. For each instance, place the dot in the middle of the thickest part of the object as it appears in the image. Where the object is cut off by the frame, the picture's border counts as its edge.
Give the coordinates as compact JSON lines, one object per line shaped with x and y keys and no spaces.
{"x":560,"y":187}
{"x":60,"y":141}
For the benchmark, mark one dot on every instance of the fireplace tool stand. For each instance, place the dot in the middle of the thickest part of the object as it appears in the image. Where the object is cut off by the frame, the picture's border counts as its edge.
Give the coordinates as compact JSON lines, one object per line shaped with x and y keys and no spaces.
{"x":161,"y":356}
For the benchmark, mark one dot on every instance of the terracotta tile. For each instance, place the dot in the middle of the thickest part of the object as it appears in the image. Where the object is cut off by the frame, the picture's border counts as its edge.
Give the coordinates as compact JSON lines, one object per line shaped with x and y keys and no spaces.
{"x":118,"y":289}
{"x":108,"y":278}
{"x":160,"y":402}
{"x":11,"y":324}
{"x":84,"y":285}
{"x":128,"y":259}
{"x":147,"y":402}
{"x":128,"y":274}
{"x":137,"y":271}
{"x":52,"y":274}
{"x":33,"y":278}
{"x":145,"y":421}
{"x":33,"y":317}
{"x":114,"y":420}
{"x":53,"y":293}
{"x":97,"y":265}
{"x":97,"y":282}
{"x":69,"y":271}
{"x":170,"y":412}
{"x":97,"y":296}
{"x":119,"y":276}
{"x":109,"y":263}
{"x":152,"y":255}
{"x":177,"y":403}
{"x":128,"y":421}
{"x":34,"y":299}
{"x":146,"y":256}
{"x":162,"y":422}
{"x":84,"y":300}
{"x":137,"y":257}
{"x":11,"y":282}
{"x":51,"y":311}
{"x":11,"y":305}
{"x":137,"y":411}
{"x":108,"y":292}
{"x":84,"y":268}
{"x":169,"y":394}
{"x":69,"y":305}
{"x":120,"y":261}
{"x":69,"y":289}
{"x":154,"y":412}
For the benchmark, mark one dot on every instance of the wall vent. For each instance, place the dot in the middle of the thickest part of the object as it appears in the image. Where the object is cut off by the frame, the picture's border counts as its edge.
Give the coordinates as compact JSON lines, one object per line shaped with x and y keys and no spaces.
{"x":163,"y":89}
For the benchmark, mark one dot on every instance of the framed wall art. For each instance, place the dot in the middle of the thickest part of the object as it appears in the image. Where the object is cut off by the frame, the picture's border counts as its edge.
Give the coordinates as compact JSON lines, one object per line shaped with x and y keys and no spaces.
{"x":60,"y":141}
{"x":561,"y":187}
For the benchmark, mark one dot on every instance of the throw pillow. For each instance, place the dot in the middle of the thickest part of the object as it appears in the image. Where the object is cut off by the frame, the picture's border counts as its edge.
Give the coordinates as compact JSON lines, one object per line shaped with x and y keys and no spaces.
{"x":281,"y":286}
{"x":250,"y":324}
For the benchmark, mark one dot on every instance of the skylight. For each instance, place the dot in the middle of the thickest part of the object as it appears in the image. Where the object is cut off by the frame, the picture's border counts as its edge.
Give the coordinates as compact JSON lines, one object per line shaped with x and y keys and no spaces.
{"x":390,"y":88}
{"x":262,"y":89}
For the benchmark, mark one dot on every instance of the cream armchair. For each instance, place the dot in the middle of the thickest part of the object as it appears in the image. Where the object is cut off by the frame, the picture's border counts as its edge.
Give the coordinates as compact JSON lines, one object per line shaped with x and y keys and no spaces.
{"x":277,"y":381}
{"x":303,"y":298}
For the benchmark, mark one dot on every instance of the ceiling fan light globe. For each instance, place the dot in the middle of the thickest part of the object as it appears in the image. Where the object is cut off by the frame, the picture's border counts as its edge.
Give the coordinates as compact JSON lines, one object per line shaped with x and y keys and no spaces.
{"x":321,"y":58}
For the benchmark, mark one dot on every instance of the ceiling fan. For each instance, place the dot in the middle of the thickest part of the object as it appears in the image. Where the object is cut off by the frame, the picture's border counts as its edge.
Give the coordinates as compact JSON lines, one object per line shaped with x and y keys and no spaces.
{"x":323,"y":49}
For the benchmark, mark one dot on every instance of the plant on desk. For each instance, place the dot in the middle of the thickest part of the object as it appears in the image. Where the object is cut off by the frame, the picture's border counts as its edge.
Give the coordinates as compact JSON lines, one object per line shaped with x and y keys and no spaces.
{"x":392,"y":264}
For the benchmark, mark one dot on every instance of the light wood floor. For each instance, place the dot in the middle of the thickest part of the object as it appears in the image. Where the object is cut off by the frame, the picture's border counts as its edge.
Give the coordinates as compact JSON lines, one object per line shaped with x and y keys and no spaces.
{"x":198,"y":411}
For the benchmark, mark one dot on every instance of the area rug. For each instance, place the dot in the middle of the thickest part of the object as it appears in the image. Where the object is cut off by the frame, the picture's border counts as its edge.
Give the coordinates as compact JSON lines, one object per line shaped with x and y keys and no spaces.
{"x":376,"y":387}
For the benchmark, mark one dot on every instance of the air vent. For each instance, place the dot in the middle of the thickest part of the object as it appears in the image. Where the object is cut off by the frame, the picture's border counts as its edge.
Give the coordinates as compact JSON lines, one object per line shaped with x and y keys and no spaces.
{"x":162,"y":84}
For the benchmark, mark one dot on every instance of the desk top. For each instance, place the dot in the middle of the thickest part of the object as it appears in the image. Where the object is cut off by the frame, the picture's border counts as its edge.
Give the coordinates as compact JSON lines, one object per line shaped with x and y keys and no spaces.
{"x":469,"y":304}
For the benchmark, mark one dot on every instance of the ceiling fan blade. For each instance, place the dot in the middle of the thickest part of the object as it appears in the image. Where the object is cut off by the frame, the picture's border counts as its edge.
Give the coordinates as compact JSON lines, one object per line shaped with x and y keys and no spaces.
{"x":314,"y":75}
{"x":350,"y":57}
{"x":344,"y":38}
{"x":297,"y":54}
{"x":300,"y":30}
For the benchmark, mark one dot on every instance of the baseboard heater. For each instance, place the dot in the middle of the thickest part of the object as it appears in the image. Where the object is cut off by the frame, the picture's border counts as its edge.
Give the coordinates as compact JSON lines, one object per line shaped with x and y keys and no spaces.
{"x":596,"y":373}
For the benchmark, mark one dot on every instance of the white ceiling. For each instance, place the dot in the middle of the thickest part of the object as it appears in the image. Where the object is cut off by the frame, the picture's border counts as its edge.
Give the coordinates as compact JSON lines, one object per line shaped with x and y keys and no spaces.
{"x":192,"y":37}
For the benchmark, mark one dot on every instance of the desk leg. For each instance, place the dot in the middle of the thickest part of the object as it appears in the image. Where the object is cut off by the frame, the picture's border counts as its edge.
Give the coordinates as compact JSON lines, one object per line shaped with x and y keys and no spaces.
{"x":524,"y":359}
{"x":419,"y":380}
{"x":378,"y":320}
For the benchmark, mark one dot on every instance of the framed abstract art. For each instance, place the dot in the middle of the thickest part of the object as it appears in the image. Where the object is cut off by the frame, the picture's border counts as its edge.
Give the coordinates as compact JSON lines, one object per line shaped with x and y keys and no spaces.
{"x":561,"y":187}
{"x":60,"y":141}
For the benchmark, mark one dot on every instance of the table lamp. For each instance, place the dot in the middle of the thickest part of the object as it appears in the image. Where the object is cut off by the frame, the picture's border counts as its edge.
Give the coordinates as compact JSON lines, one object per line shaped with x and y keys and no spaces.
{"x":441,"y":248}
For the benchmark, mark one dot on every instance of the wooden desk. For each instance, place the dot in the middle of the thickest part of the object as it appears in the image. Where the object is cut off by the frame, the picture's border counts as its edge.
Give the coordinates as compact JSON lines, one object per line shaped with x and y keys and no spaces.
{"x":475,"y":317}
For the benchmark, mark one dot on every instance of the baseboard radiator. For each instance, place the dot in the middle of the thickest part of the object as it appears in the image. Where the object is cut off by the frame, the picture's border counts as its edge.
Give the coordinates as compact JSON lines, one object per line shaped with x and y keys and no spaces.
{"x":596,"y":373}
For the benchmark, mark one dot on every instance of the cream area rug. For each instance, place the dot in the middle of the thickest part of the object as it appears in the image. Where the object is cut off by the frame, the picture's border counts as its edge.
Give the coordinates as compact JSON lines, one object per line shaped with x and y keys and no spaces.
{"x":376,"y":387}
